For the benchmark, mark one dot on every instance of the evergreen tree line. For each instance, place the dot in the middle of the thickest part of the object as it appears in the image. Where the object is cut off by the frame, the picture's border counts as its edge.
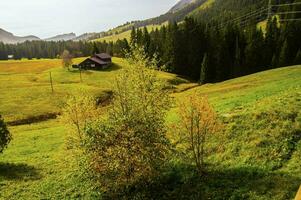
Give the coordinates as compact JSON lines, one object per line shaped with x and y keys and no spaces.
{"x":196,"y":50}
{"x":43,"y":49}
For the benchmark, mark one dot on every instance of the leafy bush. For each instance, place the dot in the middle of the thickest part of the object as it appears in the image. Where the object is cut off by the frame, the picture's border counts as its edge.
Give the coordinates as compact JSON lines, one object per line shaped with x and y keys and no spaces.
{"x":78,"y":111}
{"x":5,"y":136}
{"x":129,"y":145}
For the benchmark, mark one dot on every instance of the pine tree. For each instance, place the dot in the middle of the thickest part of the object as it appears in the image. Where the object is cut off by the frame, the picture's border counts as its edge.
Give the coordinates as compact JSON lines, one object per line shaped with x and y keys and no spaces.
{"x":237,"y":61}
{"x":204,"y":70}
{"x":254,"y":51}
{"x":95,"y":49}
{"x":133,"y":40}
{"x":297,"y":60}
{"x":139,"y":37}
{"x":283,"y":58}
{"x":271,"y":41}
{"x":146,"y":41}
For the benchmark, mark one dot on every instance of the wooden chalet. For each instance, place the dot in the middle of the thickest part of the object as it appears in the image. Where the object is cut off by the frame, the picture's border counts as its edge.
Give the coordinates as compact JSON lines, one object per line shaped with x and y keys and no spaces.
{"x":97,"y":62}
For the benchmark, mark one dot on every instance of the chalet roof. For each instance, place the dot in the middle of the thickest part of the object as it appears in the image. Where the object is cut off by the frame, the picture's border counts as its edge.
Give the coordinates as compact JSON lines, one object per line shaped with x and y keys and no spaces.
{"x":103,"y":56}
{"x":97,"y":60}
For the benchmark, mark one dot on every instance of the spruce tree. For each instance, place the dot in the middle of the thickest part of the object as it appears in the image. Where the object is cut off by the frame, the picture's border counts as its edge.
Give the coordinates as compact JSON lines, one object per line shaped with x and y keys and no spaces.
{"x":283,"y":58}
{"x":237,"y":59}
{"x":271,"y":41}
{"x":297,"y":60}
{"x":254,"y":51}
{"x":146,"y":41}
{"x":139,"y":37}
{"x":133,"y":39}
{"x":204,"y":70}
{"x":95,"y":49}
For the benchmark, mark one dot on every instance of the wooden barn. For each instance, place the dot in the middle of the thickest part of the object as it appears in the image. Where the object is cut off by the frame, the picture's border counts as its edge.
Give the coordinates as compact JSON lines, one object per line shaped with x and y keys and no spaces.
{"x":97,"y":62}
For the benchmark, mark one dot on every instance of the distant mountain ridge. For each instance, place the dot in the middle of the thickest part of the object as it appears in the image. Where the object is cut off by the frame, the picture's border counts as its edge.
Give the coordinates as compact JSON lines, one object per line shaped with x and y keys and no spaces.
{"x":181,"y":4}
{"x":9,"y":38}
{"x":62,"y":37}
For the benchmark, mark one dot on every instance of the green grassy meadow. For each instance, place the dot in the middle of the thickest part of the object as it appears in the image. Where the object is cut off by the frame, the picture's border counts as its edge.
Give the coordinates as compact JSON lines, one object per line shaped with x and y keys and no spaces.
{"x":258,"y":155}
{"x":25,"y":85}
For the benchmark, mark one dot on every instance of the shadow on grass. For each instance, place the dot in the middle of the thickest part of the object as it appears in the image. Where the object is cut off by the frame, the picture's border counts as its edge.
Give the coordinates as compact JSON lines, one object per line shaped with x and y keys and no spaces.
{"x":180,"y":182}
{"x":113,"y":67}
{"x":10,"y":171}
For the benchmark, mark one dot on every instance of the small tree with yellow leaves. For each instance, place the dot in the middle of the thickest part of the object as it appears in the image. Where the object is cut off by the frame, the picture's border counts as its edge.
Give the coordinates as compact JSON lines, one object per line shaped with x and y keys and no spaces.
{"x":67,"y":59}
{"x":198,"y":122}
{"x":79,"y":109}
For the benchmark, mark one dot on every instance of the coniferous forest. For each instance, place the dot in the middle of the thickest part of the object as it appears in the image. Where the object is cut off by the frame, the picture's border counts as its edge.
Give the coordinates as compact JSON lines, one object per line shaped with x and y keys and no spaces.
{"x":230,"y":52}
{"x":224,"y":48}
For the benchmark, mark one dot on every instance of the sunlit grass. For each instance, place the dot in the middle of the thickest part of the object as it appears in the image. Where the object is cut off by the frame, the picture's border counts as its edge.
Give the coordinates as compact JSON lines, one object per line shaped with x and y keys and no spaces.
{"x":258,"y":155}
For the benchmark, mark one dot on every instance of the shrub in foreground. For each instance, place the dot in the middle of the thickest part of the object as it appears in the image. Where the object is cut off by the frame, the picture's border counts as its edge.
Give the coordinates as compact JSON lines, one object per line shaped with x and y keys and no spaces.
{"x":5,"y":136}
{"x":129,"y":145}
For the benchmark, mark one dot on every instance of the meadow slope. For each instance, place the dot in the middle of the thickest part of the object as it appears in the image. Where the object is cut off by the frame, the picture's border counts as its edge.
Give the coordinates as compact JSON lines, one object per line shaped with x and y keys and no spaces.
{"x":258,"y":155}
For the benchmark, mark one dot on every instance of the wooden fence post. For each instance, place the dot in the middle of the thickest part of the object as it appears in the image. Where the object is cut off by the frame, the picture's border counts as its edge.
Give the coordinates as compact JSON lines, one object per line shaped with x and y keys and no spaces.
{"x":80,"y":74}
{"x":51,"y":83}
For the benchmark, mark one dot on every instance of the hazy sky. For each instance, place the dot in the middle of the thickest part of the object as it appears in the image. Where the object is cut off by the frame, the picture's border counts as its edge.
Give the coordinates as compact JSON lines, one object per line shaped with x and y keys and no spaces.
{"x":45,"y":18}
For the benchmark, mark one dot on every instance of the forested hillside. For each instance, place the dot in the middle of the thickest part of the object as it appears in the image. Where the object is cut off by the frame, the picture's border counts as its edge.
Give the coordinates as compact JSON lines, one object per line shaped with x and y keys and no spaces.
{"x":211,"y":52}
{"x":205,"y":10}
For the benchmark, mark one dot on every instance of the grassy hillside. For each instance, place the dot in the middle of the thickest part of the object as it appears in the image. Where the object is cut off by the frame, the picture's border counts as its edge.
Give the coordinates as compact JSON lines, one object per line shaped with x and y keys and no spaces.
{"x":258,"y":155}
{"x":125,"y":34}
{"x":37,"y":163}
{"x":202,"y":7}
{"x":123,"y":31}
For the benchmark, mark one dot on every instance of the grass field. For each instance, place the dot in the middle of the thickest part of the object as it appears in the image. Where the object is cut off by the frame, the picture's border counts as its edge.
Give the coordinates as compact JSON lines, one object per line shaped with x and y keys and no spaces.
{"x":25,"y":85}
{"x":38,"y":166}
{"x":258,"y":157}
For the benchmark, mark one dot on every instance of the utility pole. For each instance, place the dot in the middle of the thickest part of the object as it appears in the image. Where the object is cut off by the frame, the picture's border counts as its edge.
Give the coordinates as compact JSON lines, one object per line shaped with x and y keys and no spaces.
{"x":50,"y":77}
{"x":80,"y":74}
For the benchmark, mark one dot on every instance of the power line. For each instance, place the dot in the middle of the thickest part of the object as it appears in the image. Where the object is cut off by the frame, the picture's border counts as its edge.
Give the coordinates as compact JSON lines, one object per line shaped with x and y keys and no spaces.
{"x":259,"y":13}
{"x":250,"y":14}
{"x":288,"y":12}
{"x":284,"y":20}
{"x":287,"y":4}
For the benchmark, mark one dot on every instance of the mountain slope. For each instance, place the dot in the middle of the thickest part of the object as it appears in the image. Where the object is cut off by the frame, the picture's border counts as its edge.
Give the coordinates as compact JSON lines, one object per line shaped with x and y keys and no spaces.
{"x":205,"y":10}
{"x":62,"y":37}
{"x":181,"y":4}
{"x":221,"y":10}
{"x":7,"y":37}
{"x":176,"y":14}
